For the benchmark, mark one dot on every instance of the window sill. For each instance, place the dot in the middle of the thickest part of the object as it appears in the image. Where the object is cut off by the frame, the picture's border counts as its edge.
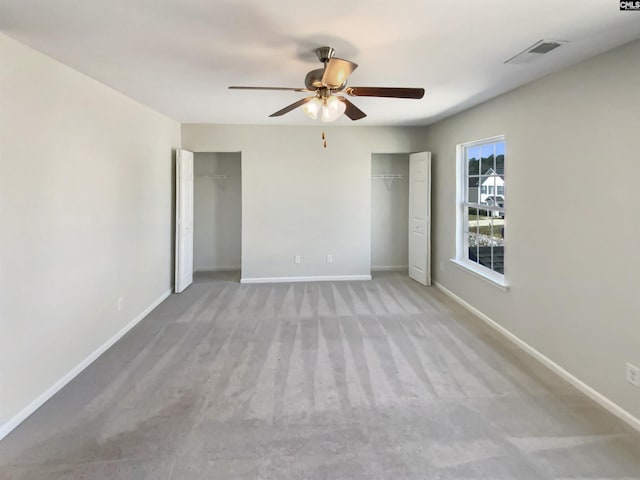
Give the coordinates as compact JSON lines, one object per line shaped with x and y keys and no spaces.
{"x":482,"y":273}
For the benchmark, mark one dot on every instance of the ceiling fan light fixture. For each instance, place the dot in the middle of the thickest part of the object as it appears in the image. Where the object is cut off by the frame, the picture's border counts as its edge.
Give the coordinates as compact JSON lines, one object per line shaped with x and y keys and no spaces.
{"x":332,"y":109}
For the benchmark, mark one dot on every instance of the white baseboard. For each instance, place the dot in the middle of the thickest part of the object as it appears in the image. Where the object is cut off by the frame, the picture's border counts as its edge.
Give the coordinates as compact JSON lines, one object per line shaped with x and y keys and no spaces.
{"x":217,"y":269}
{"x":12,"y":423}
{"x":389,"y":268}
{"x":590,"y":392}
{"x":334,"y":278}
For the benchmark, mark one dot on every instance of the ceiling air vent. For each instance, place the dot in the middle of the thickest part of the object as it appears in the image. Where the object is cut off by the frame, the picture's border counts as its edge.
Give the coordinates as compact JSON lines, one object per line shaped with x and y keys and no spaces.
{"x":535,"y":51}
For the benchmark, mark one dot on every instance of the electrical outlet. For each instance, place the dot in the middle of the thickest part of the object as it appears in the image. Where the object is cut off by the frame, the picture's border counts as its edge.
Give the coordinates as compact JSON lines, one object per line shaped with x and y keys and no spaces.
{"x":633,"y":375}
{"x":296,"y":259}
{"x":330,"y":258}
{"x":120,"y":303}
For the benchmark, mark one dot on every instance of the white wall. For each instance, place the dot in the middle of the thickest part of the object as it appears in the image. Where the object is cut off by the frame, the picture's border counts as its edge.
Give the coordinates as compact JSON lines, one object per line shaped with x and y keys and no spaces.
{"x":390,"y":212}
{"x":217,"y":211}
{"x":572,"y":258}
{"x":85,"y":212}
{"x":301,"y":199}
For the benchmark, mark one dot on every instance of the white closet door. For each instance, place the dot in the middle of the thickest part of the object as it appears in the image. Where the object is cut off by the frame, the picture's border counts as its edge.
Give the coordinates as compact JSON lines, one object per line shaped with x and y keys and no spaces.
{"x":184,"y":220}
{"x":420,"y":217}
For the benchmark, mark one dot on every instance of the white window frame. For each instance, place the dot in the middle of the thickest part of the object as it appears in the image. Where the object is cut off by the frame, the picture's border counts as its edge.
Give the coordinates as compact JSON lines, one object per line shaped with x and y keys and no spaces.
{"x":462,"y":242}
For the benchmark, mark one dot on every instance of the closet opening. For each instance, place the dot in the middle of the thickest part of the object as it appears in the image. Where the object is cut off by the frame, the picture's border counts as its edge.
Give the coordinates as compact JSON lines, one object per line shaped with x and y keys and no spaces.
{"x":389,"y":212}
{"x":217,"y":221}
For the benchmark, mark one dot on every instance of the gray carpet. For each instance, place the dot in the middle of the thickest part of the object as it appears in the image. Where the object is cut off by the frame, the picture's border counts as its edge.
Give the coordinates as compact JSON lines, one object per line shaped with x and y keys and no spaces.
{"x":378,"y":380}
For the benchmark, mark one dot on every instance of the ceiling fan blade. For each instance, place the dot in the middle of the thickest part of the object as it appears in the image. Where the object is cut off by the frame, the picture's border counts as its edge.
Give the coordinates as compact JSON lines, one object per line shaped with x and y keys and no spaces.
{"x":351,"y":111}
{"x":415,"y":93}
{"x":235,"y":87}
{"x":337,"y":71}
{"x":293,"y":106}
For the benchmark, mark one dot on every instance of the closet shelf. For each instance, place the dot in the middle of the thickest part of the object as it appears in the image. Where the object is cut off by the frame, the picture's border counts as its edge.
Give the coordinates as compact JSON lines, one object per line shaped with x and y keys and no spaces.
{"x":386,"y":176}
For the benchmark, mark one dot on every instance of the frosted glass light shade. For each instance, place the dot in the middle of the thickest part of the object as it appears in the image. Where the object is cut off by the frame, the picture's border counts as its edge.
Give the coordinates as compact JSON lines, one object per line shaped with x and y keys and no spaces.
{"x":328,"y":109}
{"x":332,"y":109}
{"x":312,"y":108}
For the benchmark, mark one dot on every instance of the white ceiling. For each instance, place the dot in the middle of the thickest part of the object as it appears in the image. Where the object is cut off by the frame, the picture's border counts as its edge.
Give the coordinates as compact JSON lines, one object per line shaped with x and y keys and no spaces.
{"x":179,"y":56}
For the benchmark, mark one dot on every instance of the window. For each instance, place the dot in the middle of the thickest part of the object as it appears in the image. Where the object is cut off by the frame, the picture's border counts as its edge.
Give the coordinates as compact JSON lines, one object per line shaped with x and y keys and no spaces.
{"x":481,"y":219}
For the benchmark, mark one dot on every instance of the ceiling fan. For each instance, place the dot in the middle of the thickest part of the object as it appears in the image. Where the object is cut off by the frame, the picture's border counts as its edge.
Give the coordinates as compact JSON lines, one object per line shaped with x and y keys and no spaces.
{"x":325,"y":83}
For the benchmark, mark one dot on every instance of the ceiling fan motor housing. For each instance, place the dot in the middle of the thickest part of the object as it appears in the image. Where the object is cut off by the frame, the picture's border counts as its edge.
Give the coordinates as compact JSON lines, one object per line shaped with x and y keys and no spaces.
{"x":313,"y":79}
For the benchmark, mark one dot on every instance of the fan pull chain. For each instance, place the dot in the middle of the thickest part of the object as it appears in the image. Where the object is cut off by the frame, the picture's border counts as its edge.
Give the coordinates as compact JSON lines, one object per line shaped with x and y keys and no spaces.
{"x":324,"y":140}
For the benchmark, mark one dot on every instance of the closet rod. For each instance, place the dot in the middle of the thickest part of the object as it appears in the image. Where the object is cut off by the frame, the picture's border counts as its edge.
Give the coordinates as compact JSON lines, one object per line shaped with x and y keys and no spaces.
{"x":217,"y":177}
{"x":384,"y":176}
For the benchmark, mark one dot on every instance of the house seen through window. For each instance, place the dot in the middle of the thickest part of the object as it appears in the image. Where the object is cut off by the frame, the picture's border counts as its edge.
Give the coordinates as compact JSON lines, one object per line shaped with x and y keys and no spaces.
{"x":482,"y":229}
